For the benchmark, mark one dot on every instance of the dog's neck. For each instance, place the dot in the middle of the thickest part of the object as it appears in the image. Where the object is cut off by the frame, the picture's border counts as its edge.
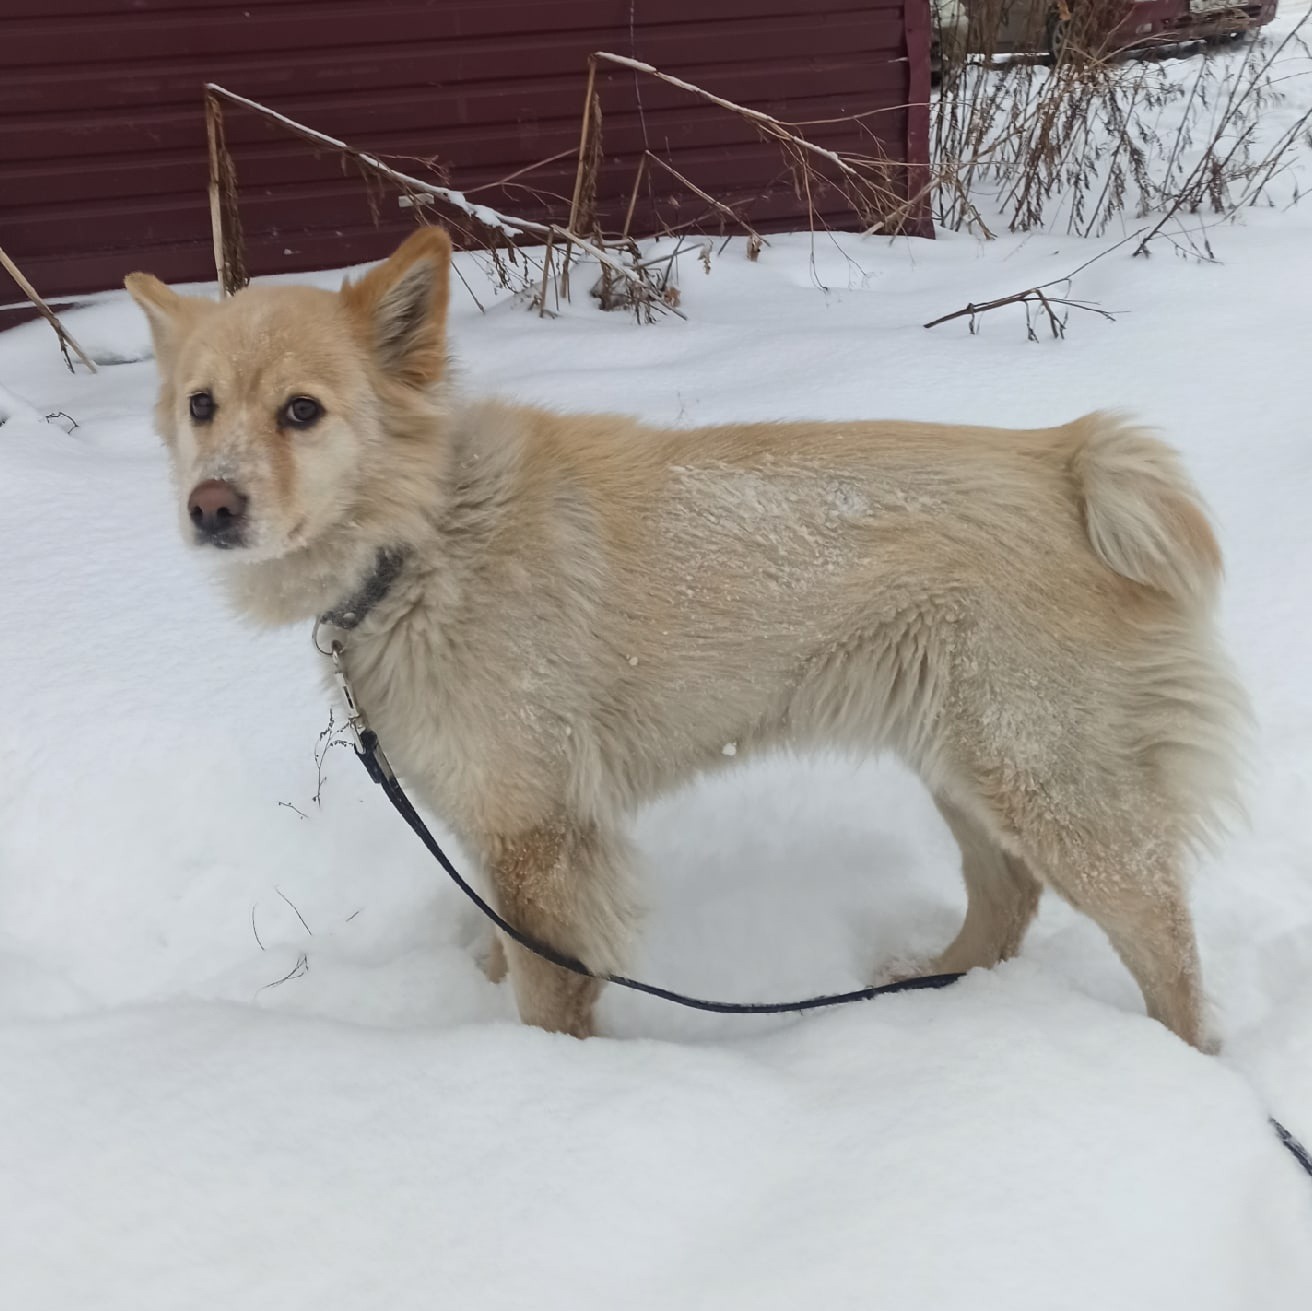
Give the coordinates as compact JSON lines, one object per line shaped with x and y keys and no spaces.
{"x":321,"y":583}
{"x":356,"y":607}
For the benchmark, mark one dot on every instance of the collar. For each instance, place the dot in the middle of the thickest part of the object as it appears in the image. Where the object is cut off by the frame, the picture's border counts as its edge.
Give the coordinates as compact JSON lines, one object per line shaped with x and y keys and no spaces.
{"x":356,"y":608}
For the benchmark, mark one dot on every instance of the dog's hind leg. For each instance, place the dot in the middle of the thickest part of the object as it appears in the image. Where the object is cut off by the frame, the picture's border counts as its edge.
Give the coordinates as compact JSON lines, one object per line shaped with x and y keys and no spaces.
{"x":1122,"y":867}
{"x":1139,"y":899}
{"x":565,"y":884}
{"x":1001,"y":897}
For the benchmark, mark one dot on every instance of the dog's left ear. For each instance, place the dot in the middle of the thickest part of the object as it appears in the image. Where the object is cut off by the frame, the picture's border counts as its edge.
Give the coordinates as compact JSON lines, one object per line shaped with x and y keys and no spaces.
{"x":401,"y":307}
{"x":168,"y":314}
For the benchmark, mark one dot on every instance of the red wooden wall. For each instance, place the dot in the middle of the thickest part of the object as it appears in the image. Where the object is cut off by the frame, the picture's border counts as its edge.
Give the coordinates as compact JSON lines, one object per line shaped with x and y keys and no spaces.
{"x":102,"y":138}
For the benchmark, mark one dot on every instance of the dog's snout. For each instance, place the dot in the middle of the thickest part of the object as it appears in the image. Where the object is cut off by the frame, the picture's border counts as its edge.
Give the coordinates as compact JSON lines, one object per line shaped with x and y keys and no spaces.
{"x":218,"y":512}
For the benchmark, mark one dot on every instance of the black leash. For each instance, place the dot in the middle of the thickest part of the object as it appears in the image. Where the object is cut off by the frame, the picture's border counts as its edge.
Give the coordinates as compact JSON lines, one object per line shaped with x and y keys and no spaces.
{"x":371,"y":755}
{"x":380,"y":771}
{"x":1295,"y":1148}
{"x":375,"y":762}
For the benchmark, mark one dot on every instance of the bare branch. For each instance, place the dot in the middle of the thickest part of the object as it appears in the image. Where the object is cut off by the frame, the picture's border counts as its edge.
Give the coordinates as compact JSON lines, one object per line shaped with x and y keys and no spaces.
{"x":66,"y":338}
{"x":757,"y":241}
{"x":493,"y":223}
{"x":295,"y":910}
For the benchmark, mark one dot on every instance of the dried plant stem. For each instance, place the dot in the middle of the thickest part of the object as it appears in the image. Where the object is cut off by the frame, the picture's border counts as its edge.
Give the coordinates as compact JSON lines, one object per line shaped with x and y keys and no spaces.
{"x":1031,"y":295}
{"x":767,"y":122}
{"x":1098,"y":135}
{"x":225,"y":220}
{"x":482,"y":216}
{"x":633,"y":195}
{"x":546,"y":276}
{"x":495,"y":227}
{"x":615,"y":266}
{"x":1192,"y":190}
{"x":576,"y":201}
{"x":66,"y":338}
{"x":756,"y":240}
{"x":1027,"y":297}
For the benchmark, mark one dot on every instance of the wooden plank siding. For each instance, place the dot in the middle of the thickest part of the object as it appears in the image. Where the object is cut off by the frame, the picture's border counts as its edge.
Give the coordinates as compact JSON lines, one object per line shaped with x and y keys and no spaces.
{"x":102,"y":137}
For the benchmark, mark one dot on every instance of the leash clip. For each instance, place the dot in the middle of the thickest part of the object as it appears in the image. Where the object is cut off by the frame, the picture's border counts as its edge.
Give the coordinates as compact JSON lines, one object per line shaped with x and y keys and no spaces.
{"x":367,"y":746}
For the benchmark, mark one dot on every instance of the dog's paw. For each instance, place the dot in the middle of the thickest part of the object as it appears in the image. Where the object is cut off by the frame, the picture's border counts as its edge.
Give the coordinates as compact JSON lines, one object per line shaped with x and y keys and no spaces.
{"x":490,"y":956}
{"x":899,"y":968}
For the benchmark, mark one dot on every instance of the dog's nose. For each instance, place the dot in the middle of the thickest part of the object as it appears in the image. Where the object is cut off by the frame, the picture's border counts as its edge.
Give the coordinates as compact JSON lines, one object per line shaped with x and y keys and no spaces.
{"x":218,"y":511}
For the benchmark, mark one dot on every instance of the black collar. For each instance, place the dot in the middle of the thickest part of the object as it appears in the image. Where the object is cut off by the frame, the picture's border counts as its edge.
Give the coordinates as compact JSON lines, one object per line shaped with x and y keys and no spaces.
{"x":355,"y":609}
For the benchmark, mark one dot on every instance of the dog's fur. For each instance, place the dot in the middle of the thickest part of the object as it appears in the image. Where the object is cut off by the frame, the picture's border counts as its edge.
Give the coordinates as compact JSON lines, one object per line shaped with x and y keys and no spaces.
{"x":590,"y":609}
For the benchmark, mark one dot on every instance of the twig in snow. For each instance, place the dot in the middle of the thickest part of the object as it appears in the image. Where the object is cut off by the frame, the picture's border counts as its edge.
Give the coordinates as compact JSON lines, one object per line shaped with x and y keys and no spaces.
{"x":295,"y":910}
{"x":1031,"y":296}
{"x":329,"y":738}
{"x":1038,"y":294}
{"x":301,"y":967}
{"x":66,"y":338}
{"x":255,"y":931}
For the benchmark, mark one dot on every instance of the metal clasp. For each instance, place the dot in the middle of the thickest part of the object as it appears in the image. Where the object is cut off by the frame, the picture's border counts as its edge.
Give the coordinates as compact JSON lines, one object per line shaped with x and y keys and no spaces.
{"x":366,"y":743}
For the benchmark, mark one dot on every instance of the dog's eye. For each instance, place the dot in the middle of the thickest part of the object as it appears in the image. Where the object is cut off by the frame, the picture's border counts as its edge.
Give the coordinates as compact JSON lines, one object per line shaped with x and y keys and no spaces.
{"x":301,"y":412}
{"x":202,"y":406}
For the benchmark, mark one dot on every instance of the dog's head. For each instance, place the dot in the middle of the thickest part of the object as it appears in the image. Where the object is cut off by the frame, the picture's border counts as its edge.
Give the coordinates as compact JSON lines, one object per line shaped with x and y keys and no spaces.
{"x":277,"y":404}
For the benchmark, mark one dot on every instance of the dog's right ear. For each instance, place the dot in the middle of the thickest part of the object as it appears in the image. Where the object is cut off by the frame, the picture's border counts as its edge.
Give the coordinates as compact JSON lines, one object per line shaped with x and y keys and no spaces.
{"x":400,"y":307}
{"x":167,"y":313}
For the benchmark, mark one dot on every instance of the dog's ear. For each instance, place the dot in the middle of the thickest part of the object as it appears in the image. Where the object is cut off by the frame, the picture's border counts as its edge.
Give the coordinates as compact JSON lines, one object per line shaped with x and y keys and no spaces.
{"x":401,"y":307}
{"x":168,"y":314}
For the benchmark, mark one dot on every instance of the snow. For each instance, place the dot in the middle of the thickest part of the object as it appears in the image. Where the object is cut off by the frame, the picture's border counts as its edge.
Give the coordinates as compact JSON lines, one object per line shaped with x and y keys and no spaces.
{"x":247,"y":1057}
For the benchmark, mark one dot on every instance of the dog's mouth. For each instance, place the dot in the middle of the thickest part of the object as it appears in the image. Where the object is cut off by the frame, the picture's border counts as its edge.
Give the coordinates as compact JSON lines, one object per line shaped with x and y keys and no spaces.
{"x":225,"y":539}
{"x":249,"y":541}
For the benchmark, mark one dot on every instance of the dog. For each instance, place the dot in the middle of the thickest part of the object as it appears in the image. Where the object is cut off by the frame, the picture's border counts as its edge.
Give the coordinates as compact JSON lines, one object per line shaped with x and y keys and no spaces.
{"x":551,"y":619}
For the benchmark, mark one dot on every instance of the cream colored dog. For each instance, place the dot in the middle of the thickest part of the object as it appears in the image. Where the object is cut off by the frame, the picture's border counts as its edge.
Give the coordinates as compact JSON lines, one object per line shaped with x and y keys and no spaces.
{"x":550,"y":619}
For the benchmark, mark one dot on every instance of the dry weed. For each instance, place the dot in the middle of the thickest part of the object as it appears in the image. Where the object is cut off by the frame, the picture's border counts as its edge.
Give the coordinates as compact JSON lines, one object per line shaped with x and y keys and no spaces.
{"x":1075,"y":142}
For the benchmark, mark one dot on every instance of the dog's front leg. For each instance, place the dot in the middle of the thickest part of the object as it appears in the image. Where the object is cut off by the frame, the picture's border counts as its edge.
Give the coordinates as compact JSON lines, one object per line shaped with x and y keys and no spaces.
{"x":565,"y":883}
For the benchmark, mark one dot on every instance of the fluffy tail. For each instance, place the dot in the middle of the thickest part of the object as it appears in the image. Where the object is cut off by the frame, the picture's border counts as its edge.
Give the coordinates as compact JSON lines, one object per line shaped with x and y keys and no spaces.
{"x":1144,"y":516}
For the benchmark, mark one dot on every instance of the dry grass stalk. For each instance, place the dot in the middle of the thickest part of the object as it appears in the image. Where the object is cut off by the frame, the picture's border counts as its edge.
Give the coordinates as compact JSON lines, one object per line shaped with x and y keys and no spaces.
{"x":1094,"y":136}
{"x":67,"y":341}
{"x":1222,"y":166}
{"x":1049,"y":305}
{"x":755,"y":242}
{"x":633,"y":195}
{"x":585,"y":176}
{"x":225,"y":218}
{"x":481,"y":226}
{"x":868,"y":185}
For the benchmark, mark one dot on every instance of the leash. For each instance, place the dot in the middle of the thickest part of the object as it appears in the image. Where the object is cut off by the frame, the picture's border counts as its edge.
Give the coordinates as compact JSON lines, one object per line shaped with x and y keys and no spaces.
{"x":371,"y":756}
{"x":370,"y":753}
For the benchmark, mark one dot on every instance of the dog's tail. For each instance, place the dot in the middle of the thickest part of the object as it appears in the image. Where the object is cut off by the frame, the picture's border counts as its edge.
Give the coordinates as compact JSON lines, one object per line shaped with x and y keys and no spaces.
{"x":1144,"y":516}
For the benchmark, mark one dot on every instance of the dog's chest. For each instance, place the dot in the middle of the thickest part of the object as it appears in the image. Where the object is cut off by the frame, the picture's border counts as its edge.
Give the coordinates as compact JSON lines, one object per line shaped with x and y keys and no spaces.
{"x":453,"y":727}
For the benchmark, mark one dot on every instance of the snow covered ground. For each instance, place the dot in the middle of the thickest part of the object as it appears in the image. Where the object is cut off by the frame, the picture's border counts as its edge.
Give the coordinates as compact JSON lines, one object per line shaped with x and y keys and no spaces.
{"x":247,"y":1058}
